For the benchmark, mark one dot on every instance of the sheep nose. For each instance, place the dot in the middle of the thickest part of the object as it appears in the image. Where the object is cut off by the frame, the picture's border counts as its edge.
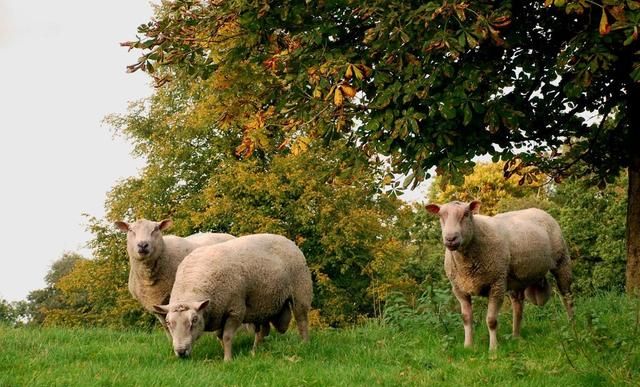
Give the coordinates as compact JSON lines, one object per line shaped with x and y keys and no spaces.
{"x":143,"y":247}
{"x":182,"y":352}
{"x":452,"y":242}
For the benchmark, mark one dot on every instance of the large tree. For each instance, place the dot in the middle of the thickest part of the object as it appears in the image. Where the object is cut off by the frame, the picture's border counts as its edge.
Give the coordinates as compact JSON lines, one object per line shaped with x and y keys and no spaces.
{"x":428,"y":84}
{"x":335,"y":210}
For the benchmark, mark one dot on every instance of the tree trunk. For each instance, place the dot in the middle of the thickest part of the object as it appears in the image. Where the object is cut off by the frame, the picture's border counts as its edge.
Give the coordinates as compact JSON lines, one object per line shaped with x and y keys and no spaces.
{"x":633,"y":197}
{"x":633,"y":227}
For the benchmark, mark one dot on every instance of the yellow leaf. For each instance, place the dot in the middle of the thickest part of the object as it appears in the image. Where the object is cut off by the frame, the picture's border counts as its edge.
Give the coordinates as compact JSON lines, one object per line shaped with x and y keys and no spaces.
{"x":301,"y":145}
{"x":348,"y":91}
{"x":349,"y":73}
{"x":330,"y":92}
{"x":338,"y":99}
{"x":358,"y":73}
{"x":605,"y":27}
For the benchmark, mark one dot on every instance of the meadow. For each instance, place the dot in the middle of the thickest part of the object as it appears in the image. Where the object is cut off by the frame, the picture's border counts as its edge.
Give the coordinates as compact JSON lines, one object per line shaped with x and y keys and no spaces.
{"x":601,"y":348}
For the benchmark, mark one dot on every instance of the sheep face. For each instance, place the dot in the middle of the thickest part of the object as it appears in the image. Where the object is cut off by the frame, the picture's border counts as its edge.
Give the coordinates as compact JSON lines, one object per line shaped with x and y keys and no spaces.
{"x":456,"y":221}
{"x":144,"y":237}
{"x":185,"y":322}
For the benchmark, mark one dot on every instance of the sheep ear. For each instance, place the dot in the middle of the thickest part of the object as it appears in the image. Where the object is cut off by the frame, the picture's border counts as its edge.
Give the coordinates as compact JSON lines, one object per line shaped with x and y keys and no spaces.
{"x":122,"y":226}
{"x":161,"y":309}
{"x":433,"y":208}
{"x":474,"y":207}
{"x":198,"y":306}
{"x":165,"y":224}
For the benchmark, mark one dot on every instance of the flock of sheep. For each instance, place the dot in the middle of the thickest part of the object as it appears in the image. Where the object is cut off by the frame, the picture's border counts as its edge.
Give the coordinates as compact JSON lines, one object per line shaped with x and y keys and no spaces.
{"x":217,"y":282}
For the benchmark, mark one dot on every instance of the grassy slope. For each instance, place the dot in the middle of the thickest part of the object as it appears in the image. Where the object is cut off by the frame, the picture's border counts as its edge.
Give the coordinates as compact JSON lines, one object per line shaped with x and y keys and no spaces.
{"x":603,"y":348}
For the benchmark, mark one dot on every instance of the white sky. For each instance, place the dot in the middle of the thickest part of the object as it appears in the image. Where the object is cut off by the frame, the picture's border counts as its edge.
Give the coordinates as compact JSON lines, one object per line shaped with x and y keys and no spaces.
{"x":61,"y":72}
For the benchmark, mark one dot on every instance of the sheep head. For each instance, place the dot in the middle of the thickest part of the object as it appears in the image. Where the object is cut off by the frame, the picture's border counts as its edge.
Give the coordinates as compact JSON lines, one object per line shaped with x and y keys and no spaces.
{"x":185,"y":322}
{"x":144,"y":237}
{"x":456,"y":221}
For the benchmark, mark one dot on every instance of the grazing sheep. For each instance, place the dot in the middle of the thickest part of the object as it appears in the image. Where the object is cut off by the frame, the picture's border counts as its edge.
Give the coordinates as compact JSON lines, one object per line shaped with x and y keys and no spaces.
{"x":154,"y":258}
{"x":253,"y":279}
{"x":510,"y":252}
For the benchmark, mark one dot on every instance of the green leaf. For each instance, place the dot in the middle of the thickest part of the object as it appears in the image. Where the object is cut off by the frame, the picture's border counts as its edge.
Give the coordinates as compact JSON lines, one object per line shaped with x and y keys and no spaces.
{"x":461,"y":40}
{"x":447,"y":111}
{"x":468,"y":115}
{"x":407,"y":180}
{"x":471,"y":40}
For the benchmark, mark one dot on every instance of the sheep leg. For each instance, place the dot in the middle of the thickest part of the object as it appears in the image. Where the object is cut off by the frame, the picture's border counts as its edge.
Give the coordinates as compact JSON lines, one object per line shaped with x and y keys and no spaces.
{"x":564,"y":278}
{"x":466,"y":310}
{"x":230,"y":327}
{"x":262,"y":330}
{"x":517,"y":305}
{"x":301,"y":312}
{"x":496,"y":296}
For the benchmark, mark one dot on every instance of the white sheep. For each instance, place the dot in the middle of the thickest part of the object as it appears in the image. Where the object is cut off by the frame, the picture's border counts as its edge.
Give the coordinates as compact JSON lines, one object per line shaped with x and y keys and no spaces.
{"x":154,"y":258}
{"x":253,"y":279}
{"x":510,"y":252}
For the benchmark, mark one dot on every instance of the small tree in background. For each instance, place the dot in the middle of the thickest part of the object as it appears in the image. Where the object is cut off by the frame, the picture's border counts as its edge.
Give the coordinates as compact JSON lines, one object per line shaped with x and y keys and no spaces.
{"x":593,"y":224}
{"x":42,"y":302}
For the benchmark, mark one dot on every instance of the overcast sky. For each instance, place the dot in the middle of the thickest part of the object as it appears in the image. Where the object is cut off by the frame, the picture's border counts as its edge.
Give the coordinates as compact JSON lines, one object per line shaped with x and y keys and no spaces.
{"x":61,"y":72}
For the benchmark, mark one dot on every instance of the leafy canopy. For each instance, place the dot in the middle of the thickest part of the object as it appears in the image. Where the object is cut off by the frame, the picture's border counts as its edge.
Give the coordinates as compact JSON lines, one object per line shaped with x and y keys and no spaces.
{"x":429,"y":84}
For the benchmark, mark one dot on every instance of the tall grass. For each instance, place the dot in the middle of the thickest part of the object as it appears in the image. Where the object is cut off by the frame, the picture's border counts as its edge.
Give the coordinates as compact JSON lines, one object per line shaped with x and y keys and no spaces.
{"x":601,"y":348}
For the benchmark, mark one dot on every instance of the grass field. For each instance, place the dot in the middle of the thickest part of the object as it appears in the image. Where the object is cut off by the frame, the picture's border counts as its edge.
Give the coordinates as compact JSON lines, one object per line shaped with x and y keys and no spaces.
{"x":601,"y":349}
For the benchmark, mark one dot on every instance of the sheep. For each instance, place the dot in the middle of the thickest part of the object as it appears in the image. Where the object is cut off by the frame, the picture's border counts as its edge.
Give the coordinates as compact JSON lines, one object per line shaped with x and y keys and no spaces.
{"x":253,"y":279}
{"x":154,"y":258}
{"x":509,"y":252}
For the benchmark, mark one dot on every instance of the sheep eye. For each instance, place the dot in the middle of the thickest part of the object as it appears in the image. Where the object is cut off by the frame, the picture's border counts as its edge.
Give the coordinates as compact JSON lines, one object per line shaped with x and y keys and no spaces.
{"x":194,"y":319}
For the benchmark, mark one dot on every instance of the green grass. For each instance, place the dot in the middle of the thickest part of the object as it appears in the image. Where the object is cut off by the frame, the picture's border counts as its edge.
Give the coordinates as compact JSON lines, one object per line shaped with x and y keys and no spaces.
{"x":602,"y":349}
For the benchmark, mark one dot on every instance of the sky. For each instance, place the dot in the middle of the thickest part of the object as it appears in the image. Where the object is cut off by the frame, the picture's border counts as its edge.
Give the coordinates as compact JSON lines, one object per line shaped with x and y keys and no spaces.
{"x":61,"y":72}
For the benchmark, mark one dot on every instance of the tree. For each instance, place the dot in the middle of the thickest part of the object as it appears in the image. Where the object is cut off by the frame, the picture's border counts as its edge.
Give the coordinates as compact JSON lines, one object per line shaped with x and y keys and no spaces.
{"x":427,"y":84}
{"x":41,"y":302}
{"x":593,"y":224}
{"x":338,"y":216}
{"x":487,"y":184}
{"x":336,"y":210}
{"x":11,"y":312}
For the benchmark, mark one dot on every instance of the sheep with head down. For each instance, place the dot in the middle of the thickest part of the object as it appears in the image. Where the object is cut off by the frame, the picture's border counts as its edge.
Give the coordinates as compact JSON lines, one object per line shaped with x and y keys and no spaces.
{"x":154,"y":258}
{"x":254,"y":279}
{"x":507,"y":253}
